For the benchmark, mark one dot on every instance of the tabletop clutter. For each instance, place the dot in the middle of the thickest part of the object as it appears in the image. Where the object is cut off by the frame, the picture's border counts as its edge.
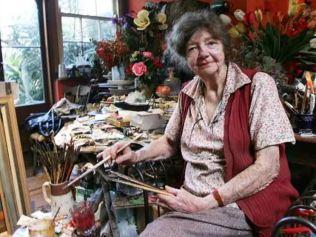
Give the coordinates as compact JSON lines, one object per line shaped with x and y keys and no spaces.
{"x":300,"y":103}
{"x":72,"y":186}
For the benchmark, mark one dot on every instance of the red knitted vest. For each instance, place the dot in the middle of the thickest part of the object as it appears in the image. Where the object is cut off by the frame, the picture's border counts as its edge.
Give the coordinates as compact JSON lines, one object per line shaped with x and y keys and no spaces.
{"x":266,"y":207}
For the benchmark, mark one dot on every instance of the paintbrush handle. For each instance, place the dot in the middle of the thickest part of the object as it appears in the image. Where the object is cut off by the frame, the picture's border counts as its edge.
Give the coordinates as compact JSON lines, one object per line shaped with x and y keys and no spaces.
{"x":127,"y":178}
{"x":101,"y":162}
{"x":150,"y":189}
{"x":89,"y":171}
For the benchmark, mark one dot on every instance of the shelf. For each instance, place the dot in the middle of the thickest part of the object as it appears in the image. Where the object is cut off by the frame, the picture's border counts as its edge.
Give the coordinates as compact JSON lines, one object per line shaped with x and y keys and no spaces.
{"x":307,"y":139}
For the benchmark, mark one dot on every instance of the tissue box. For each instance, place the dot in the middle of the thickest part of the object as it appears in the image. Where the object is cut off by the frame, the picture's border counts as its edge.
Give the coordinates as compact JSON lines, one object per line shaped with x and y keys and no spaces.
{"x":147,"y":120}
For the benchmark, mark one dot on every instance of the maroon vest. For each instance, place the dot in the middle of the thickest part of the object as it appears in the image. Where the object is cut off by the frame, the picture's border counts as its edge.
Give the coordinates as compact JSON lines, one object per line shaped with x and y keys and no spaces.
{"x":264,"y":208}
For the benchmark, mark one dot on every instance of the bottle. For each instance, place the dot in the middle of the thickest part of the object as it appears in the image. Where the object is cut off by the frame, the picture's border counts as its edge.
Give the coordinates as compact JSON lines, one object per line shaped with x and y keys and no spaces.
{"x":173,"y":82}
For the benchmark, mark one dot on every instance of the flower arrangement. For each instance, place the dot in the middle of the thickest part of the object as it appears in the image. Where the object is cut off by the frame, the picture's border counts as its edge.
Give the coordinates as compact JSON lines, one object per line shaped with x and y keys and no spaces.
{"x":282,"y":45}
{"x":145,"y":68}
{"x":146,"y":30}
{"x":139,"y":45}
{"x":112,"y":52}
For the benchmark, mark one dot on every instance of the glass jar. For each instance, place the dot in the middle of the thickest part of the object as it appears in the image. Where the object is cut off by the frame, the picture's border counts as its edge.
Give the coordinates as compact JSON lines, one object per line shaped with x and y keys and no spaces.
{"x":173,"y":82}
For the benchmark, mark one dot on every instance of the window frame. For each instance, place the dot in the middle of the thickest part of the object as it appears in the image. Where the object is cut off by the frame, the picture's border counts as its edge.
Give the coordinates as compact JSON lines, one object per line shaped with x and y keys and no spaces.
{"x":116,"y":10}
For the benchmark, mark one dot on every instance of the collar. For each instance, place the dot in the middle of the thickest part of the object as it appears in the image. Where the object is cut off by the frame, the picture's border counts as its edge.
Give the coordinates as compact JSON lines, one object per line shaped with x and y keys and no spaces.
{"x":235,"y":80}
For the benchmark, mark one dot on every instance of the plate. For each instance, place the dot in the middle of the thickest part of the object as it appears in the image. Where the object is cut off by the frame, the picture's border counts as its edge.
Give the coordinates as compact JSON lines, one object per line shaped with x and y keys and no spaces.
{"x":133,"y":107}
{"x":120,"y":82}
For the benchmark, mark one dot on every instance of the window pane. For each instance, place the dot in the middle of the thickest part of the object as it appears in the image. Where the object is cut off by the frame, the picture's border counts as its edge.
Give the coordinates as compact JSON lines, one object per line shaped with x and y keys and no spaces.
{"x":71,"y":29}
{"x":24,"y":66}
{"x":108,"y":30}
{"x":73,"y":50}
{"x":19,"y":25}
{"x":105,"y":8}
{"x":20,"y":41}
{"x":102,"y":8}
{"x":90,"y":29}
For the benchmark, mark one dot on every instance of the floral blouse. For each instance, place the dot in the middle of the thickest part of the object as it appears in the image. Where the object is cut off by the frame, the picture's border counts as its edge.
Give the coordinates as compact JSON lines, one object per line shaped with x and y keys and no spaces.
{"x":202,"y":140}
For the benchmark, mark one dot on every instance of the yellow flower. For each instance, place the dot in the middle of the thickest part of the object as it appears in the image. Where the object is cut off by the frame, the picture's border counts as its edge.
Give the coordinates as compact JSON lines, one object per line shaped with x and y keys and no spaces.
{"x":233,"y":32}
{"x":161,"y":18}
{"x":294,"y":7}
{"x":241,"y":28}
{"x":258,"y":14}
{"x":142,"y":20}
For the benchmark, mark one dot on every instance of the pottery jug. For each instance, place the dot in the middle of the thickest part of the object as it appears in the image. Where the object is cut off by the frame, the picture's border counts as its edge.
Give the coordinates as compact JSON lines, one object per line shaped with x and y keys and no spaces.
{"x":58,"y":197}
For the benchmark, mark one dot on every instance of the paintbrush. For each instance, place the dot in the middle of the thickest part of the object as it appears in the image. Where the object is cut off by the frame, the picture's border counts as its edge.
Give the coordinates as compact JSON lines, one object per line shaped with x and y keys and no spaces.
{"x":101,"y":162}
{"x":135,"y":183}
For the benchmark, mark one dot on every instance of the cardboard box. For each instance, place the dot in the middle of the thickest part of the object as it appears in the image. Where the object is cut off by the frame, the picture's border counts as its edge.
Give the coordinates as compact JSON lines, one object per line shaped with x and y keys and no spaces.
{"x":147,"y":120}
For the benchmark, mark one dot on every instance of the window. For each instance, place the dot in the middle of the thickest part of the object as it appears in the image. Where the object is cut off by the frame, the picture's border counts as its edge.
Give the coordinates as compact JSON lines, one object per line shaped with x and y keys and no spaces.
{"x":21,"y":49}
{"x":83,"y":21}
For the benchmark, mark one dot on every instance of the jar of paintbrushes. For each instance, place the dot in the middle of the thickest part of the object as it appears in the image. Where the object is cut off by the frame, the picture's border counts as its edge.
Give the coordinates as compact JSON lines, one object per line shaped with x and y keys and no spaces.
{"x":302,"y":105}
{"x":58,"y":163}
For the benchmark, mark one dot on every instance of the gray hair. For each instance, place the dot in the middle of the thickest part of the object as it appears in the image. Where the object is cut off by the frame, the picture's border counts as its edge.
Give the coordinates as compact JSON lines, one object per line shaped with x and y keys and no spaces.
{"x":190,"y":23}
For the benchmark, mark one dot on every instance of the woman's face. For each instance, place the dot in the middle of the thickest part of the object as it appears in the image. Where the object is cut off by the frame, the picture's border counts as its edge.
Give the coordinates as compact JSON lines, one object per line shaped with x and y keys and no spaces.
{"x":204,"y":54}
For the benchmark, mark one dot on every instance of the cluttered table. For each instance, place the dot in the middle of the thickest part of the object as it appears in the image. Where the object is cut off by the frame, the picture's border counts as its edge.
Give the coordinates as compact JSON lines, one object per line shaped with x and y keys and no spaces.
{"x":113,"y":119}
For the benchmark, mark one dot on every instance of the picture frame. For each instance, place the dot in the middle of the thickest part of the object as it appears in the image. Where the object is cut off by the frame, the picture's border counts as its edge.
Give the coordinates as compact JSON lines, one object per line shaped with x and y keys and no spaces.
{"x":14,"y":193}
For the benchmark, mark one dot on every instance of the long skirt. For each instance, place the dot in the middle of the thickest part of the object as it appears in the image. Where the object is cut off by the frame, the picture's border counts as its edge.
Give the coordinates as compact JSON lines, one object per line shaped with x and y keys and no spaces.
{"x":218,"y":222}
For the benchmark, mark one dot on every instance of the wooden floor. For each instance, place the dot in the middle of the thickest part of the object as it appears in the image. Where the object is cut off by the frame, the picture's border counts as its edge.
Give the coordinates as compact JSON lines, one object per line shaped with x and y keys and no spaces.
{"x":36,"y":195}
{"x":35,"y":179}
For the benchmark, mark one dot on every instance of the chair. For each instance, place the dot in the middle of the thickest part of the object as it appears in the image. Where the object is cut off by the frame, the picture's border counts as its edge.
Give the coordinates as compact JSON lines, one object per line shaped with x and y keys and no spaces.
{"x":78,"y":94}
{"x":293,"y":226}
{"x":303,"y":211}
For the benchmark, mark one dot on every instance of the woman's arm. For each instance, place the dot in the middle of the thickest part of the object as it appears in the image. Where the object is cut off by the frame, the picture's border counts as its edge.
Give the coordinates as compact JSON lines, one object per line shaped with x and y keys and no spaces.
{"x":253,"y":179}
{"x":161,"y":148}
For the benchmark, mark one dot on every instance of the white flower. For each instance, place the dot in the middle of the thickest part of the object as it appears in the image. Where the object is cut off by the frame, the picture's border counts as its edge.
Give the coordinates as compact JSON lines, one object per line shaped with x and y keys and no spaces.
{"x":312,"y":43}
{"x":239,"y":15}
{"x":225,"y":19}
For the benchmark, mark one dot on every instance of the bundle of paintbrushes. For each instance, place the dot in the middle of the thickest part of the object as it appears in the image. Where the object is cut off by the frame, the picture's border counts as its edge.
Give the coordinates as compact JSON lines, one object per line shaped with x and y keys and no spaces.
{"x":116,"y":177}
{"x":304,"y":98}
{"x":58,"y":162}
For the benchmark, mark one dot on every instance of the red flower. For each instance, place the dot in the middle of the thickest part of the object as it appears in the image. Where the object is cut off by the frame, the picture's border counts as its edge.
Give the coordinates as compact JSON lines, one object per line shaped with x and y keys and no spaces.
{"x":100,"y":52}
{"x":157,"y":63}
{"x":128,"y":69}
{"x":250,"y":19}
{"x":139,"y":69}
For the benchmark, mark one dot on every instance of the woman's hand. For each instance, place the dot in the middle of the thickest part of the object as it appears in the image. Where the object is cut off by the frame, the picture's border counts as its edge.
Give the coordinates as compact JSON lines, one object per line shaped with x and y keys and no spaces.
{"x":183,"y":201}
{"x":125,"y":157}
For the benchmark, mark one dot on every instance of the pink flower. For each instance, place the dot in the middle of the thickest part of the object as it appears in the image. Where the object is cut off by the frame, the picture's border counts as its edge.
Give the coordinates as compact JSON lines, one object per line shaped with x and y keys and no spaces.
{"x":148,"y":54}
{"x":139,"y":69}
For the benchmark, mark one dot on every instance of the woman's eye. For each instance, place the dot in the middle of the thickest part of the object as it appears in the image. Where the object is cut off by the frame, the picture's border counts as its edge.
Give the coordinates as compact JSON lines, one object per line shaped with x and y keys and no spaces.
{"x":190,"y":49}
{"x":211,"y":43}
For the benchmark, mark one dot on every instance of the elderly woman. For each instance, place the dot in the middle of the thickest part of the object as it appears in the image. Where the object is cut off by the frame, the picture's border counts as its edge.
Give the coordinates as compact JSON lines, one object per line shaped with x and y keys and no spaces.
{"x":231,"y":128}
